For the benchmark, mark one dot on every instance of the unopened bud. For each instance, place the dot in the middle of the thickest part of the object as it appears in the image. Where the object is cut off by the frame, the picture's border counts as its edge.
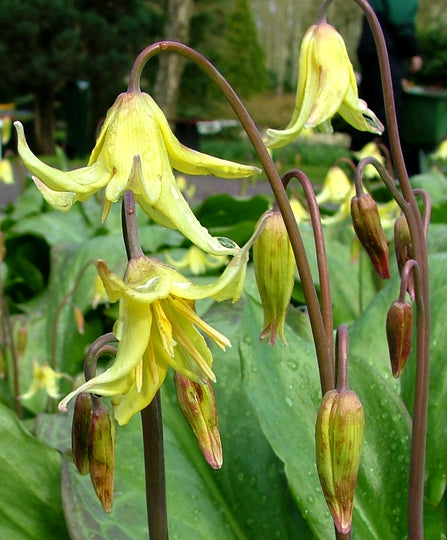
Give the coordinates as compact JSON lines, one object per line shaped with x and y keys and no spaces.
{"x":80,"y":431}
{"x":198,"y":405}
{"x":399,"y":325}
{"x":79,"y":318}
{"x":366,"y":222}
{"x":404,"y":250}
{"x":101,"y":455}
{"x":274,"y":266}
{"x":21,"y":339}
{"x":338,"y":439}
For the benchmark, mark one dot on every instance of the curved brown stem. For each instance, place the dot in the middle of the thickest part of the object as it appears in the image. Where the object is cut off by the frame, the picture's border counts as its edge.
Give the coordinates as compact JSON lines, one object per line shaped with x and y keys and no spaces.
{"x":320,"y":249}
{"x":416,"y":227}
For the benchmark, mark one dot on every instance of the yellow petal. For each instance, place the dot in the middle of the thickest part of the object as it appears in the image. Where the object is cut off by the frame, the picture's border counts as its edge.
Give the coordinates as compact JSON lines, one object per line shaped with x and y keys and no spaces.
{"x":190,"y":161}
{"x":85,"y":180}
{"x":6,"y":172}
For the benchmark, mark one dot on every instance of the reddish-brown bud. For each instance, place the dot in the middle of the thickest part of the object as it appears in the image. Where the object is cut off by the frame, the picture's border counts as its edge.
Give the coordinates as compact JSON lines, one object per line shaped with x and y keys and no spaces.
{"x":101,"y":455}
{"x":339,"y":434}
{"x":80,"y":431}
{"x":366,"y":222}
{"x":403,"y":246}
{"x":198,"y":405}
{"x":399,"y":325}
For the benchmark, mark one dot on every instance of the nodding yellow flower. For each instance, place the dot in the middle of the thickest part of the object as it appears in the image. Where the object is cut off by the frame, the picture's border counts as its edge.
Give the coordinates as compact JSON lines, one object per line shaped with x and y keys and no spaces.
{"x":197,"y":261}
{"x":326,"y":85}
{"x":5,"y":129}
{"x":336,"y":186}
{"x":370,"y":150}
{"x":44,"y":377}
{"x":6,"y":172}
{"x":441,"y":151}
{"x":158,"y":327}
{"x":136,"y":150}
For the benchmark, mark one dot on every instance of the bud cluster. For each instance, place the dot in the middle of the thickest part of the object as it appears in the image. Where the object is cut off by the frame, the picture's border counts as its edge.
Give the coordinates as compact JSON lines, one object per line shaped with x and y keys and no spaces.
{"x":93,"y":446}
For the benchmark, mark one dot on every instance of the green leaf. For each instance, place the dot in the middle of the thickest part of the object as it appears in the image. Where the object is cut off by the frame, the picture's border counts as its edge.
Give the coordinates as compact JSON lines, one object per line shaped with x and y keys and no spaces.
{"x":283,"y":385}
{"x":247,"y":498}
{"x":30,"y":500}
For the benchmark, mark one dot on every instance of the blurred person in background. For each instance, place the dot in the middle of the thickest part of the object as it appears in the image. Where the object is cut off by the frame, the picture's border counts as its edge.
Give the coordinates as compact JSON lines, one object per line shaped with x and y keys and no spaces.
{"x":397,"y":19}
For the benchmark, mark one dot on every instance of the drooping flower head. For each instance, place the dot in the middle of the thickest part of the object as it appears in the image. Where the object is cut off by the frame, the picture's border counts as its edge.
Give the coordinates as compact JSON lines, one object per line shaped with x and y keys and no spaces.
{"x":158,"y":327}
{"x":136,"y":150}
{"x":326,"y":85}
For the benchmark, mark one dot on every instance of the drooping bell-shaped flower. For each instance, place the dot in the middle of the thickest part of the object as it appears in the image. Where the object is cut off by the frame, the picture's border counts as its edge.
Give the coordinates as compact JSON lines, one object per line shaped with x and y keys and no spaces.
{"x":44,"y":377}
{"x":136,"y":150}
{"x":336,"y":186}
{"x":158,"y":327}
{"x":326,"y":86}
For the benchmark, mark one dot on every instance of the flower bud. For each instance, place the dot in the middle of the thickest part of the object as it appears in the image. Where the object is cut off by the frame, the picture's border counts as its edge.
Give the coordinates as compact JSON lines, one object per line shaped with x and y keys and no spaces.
{"x":366,"y":222}
{"x":80,"y":431}
{"x":338,"y":439}
{"x":79,"y":319}
{"x":101,"y":455}
{"x":399,"y":325}
{"x":22,"y":335}
{"x":404,"y":249}
{"x":198,"y":405}
{"x":274,"y":266}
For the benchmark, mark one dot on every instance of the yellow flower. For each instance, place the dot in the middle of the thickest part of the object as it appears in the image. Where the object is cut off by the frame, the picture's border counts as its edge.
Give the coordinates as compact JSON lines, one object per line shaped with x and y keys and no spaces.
{"x":136,"y":150}
{"x":370,"y":150}
{"x":5,"y":129}
{"x":441,"y":151}
{"x":43,"y":377}
{"x":326,"y":85}
{"x":335,"y":187}
{"x":197,"y":261}
{"x":158,"y":327}
{"x":6,"y":172}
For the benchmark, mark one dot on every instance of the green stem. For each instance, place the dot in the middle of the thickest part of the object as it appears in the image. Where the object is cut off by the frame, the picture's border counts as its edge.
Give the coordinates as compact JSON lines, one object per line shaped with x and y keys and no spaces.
{"x":416,"y":227}
{"x":151,"y":416}
{"x":323,"y":351}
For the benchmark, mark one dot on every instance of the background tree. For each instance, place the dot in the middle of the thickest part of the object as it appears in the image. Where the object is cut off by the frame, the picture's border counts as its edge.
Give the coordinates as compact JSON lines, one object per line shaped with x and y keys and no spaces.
{"x":169,"y":75}
{"x":39,"y":51}
{"x":112,"y":33}
{"x":243,"y":58}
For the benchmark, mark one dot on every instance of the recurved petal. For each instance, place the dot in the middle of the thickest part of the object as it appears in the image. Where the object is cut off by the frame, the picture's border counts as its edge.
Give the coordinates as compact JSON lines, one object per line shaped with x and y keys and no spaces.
{"x":86,"y":180}
{"x":306,"y":91}
{"x":172,"y":211}
{"x":136,"y":321}
{"x":60,"y":200}
{"x":355,"y":111}
{"x":190,"y":161}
